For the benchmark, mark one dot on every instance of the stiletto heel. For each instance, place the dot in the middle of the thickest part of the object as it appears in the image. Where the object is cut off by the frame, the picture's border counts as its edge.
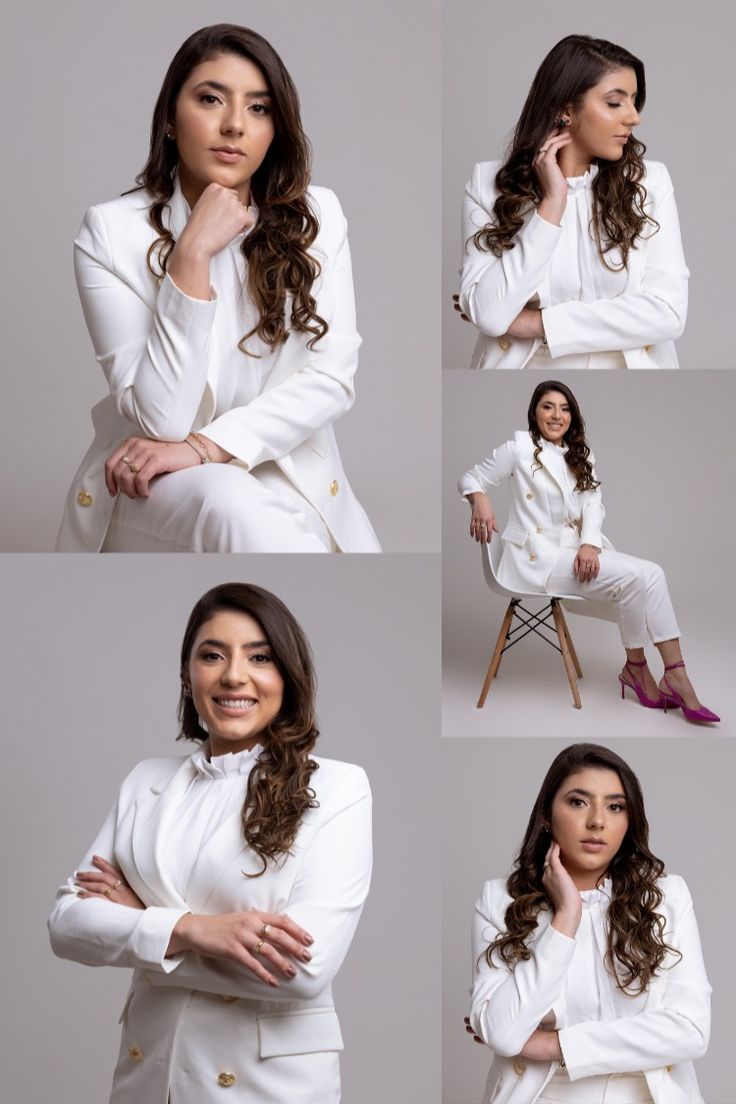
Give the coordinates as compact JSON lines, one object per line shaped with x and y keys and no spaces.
{"x":674,"y":700}
{"x":644,"y":699}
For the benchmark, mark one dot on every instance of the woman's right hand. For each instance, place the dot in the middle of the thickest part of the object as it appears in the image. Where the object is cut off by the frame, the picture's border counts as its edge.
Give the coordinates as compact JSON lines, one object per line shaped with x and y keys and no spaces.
{"x":482,"y":522}
{"x":562,"y":892}
{"x":552,"y":182}
{"x":252,"y":938}
{"x":217,"y":217}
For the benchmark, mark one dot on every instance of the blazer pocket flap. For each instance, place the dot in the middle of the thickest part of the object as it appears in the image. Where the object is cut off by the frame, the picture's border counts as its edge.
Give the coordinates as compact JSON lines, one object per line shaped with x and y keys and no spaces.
{"x":514,"y":535}
{"x":302,"y":1032}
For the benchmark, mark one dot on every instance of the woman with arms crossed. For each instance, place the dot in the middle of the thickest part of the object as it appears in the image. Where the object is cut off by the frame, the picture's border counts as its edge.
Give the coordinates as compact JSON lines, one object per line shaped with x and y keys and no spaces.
{"x":231,"y":881}
{"x":219,"y":299}
{"x":554,"y":544}
{"x":571,"y":246}
{"x":589,"y":983}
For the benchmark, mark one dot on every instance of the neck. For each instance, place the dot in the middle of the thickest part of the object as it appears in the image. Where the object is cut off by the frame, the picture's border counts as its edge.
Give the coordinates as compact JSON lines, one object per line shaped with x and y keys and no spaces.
{"x":587,"y":879}
{"x":572,"y":162}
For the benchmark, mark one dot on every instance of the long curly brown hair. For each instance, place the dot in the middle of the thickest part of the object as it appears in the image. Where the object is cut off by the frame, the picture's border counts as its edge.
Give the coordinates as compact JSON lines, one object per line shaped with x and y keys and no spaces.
{"x":278,"y":791}
{"x":276,"y":250}
{"x":575,"y":65}
{"x":578,"y":451}
{"x":636,"y":948}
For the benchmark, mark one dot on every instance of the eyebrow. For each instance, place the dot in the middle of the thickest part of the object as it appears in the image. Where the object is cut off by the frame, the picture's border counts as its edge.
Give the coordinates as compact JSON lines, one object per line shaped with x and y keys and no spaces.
{"x":224,"y":88}
{"x":620,"y":92}
{"x":587,"y":793}
{"x":221,"y":644}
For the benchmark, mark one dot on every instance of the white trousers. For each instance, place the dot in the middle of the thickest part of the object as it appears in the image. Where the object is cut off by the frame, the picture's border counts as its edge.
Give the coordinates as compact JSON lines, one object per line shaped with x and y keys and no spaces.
{"x":219,"y":508}
{"x":637,"y":590}
{"x":572,"y":361}
{"x":613,"y":1088}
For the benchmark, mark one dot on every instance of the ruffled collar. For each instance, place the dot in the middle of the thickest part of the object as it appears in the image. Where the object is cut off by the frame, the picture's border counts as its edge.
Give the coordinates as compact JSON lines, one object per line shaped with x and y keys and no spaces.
{"x":599,"y":896}
{"x":559,"y":450}
{"x":231,"y":764}
{"x":580,"y":183}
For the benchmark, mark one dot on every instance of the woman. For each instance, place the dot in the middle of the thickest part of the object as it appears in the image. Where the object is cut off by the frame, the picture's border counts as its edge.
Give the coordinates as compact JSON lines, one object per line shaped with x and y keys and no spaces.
{"x":219,"y":299}
{"x":231,"y":881}
{"x":589,"y":981}
{"x":571,"y":246}
{"x":554,"y":544}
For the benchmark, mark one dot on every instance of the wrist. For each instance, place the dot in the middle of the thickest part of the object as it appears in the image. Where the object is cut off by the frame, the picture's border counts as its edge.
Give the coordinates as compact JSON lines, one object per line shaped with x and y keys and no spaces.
{"x":181,"y":935}
{"x":191,"y":251}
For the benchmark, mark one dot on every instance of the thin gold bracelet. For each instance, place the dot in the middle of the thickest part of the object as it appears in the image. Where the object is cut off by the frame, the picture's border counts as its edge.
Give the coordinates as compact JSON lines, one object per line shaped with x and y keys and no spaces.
{"x":204,"y":455}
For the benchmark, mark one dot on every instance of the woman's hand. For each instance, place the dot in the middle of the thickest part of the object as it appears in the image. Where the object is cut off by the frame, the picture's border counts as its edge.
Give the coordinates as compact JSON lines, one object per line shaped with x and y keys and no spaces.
{"x":217,"y":217}
{"x":256,"y":940}
{"x":482,"y":521}
{"x":138,"y":460}
{"x":552,"y":182}
{"x":562,"y":892}
{"x":468,"y":1028}
{"x":542,"y":1046}
{"x":587,"y":563}
{"x":107,"y":881}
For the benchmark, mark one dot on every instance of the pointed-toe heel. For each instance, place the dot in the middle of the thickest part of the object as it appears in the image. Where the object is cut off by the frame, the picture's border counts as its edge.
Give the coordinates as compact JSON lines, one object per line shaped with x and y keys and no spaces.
{"x":644,"y":699}
{"x":673,"y":700}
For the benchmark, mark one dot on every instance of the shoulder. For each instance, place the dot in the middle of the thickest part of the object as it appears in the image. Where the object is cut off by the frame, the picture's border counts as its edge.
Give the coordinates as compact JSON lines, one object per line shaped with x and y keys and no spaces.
{"x":676,"y":893}
{"x":338,"y":781}
{"x":123,"y":219}
{"x":522,"y":443}
{"x":482,"y":183}
{"x":494,"y":898}
{"x":325,"y":205}
{"x":657,"y":179}
{"x":152,"y":773}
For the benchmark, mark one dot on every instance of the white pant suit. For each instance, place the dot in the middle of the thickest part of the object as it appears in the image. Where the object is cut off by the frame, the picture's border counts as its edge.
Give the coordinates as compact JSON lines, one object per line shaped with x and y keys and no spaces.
{"x":173,"y":366}
{"x":548,"y":521}
{"x":618,"y":1048}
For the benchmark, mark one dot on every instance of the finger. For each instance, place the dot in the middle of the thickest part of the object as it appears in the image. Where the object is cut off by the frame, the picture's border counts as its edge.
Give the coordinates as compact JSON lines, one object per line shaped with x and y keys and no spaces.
{"x":103,"y":864}
{"x":256,"y":967}
{"x":285,"y":923}
{"x":268,"y":952}
{"x":151,"y":468}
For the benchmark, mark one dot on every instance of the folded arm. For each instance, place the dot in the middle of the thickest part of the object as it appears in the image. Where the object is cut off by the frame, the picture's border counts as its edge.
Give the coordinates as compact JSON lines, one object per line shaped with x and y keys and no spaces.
{"x":489,"y":472}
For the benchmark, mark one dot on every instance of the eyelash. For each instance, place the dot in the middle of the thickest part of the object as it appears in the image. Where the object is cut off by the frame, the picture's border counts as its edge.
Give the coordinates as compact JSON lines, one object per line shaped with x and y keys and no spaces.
{"x":210,"y":96}
{"x":615,"y":805}
{"x":261,"y":656}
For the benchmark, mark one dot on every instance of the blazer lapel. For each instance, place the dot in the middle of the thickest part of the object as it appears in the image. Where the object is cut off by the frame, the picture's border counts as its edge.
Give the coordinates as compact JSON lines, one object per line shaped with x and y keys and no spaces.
{"x":153,"y":816}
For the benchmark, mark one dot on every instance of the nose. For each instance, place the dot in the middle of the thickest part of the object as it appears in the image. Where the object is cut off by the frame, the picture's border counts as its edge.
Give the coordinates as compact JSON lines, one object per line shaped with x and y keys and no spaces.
{"x":236,"y":673}
{"x":232,"y":122}
{"x":633,"y":117}
{"x":595,"y":817}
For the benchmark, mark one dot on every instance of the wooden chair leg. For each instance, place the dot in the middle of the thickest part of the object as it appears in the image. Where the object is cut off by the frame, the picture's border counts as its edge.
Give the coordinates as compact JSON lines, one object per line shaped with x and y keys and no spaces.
{"x":497,"y":653}
{"x":570,"y":644}
{"x":566,"y":656}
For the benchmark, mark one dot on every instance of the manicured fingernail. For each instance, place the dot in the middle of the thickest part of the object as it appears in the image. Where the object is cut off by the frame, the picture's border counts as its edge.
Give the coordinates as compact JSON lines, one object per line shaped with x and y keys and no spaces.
{"x":272,"y":982}
{"x":291,"y":971}
{"x":306,"y":957}
{"x":308,"y":940}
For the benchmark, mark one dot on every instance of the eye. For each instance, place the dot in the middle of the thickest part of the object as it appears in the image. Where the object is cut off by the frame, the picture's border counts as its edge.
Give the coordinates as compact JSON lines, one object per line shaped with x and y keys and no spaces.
{"x":614,"y":105}
{"x":209,"y":97}
{"x":260,"y":109}
{"x":209,"y":656}
{"x":618,"y":807}
{"x":262,"y":657}
{"x":576,"y":802}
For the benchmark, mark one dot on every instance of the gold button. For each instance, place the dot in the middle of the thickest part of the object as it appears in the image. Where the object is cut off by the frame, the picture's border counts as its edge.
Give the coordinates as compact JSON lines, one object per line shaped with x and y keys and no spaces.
{"x":539,"y":528}
{"x":668,"y":1068}
{"x":647,"y":348}
{"x":504,"y":343}
{"x":135,"y":1053}
{"x":519,"y":1068}
{"x":334,"y":487}
{"x":532,"y":556}
{"x":228,"y":999}
{"x":226,"y":1080}
{"x":84,"y":498}
{"x":529,"y":494}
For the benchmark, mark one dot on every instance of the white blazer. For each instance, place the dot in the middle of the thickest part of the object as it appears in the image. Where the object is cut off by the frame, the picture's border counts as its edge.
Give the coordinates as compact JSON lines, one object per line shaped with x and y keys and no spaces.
{"x":158,"y":349}
{"x":544,"y":515}
{"x":666,"y":1030}
{"x":641,"y":319}
{"x":189,"y":1019}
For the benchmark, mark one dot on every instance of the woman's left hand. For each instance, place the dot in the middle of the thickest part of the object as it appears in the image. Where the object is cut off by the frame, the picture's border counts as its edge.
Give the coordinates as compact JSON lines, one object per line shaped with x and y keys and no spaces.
{"x":468,"y":1028}
{"x":542,"y":1046}
{"x":587,"y":563}
{"x":138,"y":460}
{"x":107,"y":881}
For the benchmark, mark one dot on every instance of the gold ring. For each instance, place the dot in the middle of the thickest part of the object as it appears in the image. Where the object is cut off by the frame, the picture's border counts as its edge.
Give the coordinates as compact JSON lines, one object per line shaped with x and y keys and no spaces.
{"x":264,"y":931}
{"x":119,"y":882}
{"x":133,"y":467}
{"x":107,"y":892}
{"x":259,"y":944}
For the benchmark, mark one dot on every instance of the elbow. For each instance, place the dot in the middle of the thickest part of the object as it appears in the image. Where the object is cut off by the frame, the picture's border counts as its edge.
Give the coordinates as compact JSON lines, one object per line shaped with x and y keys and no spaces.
{"x":308,"y":985}
{"x":505,"y":1040}
{"x":492,"y":318}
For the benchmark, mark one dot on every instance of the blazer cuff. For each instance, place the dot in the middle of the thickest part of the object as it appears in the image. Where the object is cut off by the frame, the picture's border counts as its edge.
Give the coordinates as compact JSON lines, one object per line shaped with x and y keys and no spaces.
{"x":152,"y":936}
{"x":229,"y":433}
{"x":469,"y":485}
{"x":183,"y":309}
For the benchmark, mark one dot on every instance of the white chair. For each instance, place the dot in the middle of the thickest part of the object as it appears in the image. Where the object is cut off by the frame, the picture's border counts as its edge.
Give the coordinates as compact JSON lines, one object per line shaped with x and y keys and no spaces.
{"x":550,"y":619}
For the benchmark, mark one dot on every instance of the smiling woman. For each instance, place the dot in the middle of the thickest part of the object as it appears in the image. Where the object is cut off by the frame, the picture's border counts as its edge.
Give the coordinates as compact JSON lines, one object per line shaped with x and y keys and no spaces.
{"x":219,"y":299}
{"x":589,"y":982}
{"x":232,"y":880}
{"x":571,"y":244}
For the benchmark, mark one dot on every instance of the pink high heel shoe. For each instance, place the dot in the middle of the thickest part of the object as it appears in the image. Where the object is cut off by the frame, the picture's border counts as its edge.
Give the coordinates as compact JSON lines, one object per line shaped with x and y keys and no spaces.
{"x":672,"y":700}
{"x":638,"y":689}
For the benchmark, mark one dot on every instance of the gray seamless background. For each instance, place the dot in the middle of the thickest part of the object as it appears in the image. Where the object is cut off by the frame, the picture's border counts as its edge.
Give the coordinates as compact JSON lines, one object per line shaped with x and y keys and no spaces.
{"x":659,"y":442}
{"x":490,"y":55}
{"x":89,"y":688}
{"x":687,"y":787}
{"x":83,"y":79}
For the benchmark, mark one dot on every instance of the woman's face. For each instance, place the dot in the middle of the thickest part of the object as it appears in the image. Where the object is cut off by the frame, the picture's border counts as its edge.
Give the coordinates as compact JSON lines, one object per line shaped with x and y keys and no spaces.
{"x":552,"y":414}
{"x":237,"y":688}
{"x":589,"y":819}
{"x":601,"y":124}
{"x":224,"y":102}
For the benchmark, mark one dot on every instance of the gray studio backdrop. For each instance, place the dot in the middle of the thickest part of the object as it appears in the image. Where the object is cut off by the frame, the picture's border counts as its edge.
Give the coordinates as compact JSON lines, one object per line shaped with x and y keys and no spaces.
{"x":660,"y":441}
{"x":90,"y":683}
{"x":687,"y":791}
{"x":491,"y":52}
{"x":83,"y":79}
